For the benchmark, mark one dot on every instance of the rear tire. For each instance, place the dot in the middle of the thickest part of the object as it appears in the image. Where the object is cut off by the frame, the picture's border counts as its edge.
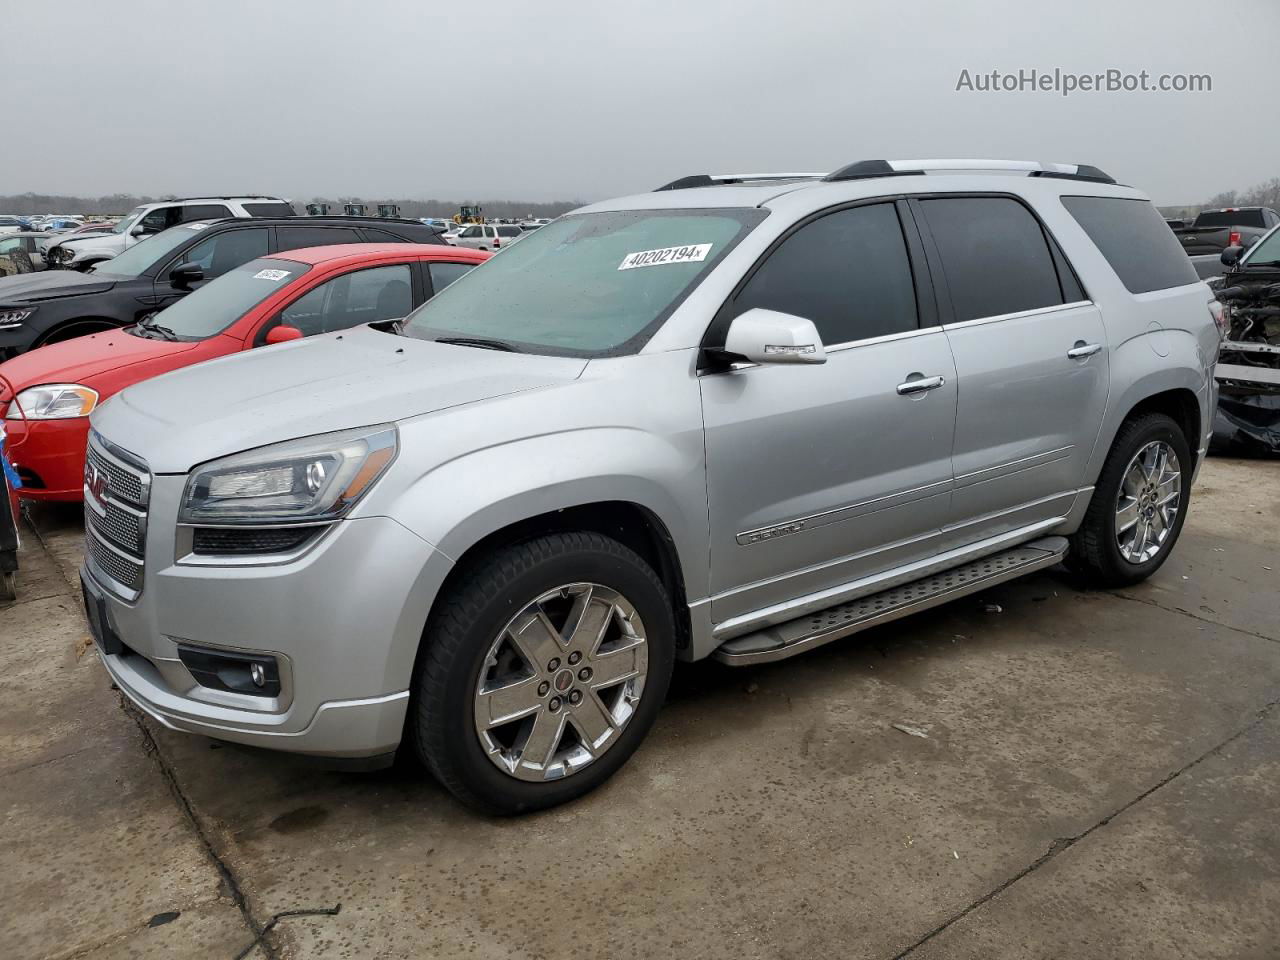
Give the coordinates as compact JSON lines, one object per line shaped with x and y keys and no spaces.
{"x":1133,"y":521}
{"x":507,"y":626}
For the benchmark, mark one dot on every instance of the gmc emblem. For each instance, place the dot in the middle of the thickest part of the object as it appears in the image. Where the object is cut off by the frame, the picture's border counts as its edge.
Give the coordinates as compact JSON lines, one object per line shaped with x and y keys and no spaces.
{"x":96,"y":481}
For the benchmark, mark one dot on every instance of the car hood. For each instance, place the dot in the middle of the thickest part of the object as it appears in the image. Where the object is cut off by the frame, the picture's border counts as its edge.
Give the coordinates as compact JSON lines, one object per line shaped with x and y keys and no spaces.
{"x":82,"y":359}
{"x":94,"y":241}
{"x":317,"y":385}
{"x":49,"y":285}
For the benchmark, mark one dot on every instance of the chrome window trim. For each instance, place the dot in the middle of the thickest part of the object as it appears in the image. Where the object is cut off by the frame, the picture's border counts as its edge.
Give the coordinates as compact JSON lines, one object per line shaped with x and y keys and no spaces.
{"x":1017,"y":315}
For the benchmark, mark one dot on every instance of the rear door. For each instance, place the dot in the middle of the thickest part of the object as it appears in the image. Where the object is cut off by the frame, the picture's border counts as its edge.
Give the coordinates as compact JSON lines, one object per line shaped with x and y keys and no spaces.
{"x":1031,"y":356}
{"x":821,"y":474}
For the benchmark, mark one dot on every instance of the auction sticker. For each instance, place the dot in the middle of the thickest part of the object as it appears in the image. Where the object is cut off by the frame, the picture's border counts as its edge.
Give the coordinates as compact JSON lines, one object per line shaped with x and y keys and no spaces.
{"x":271,"y":274}
{"x":653,"y":258}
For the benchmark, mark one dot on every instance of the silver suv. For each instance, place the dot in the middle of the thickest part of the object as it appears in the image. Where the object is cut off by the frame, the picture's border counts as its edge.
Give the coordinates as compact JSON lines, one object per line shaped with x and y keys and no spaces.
{"x":738,"y":417}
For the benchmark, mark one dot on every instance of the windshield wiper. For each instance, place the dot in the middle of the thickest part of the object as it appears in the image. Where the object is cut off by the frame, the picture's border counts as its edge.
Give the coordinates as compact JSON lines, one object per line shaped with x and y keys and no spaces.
{"x":165,"y":332}
{"x":483,"y":342}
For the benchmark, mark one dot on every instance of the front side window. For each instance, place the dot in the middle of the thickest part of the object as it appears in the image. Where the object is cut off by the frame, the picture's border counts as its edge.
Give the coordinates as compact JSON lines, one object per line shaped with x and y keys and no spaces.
{"x":994,"y":255}
{"x":226,"y":251}
{"x":472,"y":232}
{"x":365,"y":296}
{"x":161,"y":218}
{"x":847,"y":271}
{"x":591,"y":285}
{"x":1265,"y":251}
{"x":216,"y":306}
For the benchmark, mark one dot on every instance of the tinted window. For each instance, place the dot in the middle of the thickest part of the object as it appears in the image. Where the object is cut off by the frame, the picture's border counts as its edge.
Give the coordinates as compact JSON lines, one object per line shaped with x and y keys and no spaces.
{"x":204,"y":211}
{"x":994,"y":256}
{"x":295,"y":238}
{"x":381,"y":236}
{"x":161,"y":218}
{"x":1142,"y":251}
{"x":1230,"y":218}
{"x":273,"y":209}
{"x":217,"y":305}
{"x":379,"y":293}
{"x":509,"y":231}
{"x":443,"y":274}
{"x":226,"y":251}
{"x":847,"y":272}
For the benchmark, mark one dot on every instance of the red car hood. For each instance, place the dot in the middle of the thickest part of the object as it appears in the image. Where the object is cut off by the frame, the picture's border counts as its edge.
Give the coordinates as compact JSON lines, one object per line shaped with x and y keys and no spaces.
{"x":82,"y":359}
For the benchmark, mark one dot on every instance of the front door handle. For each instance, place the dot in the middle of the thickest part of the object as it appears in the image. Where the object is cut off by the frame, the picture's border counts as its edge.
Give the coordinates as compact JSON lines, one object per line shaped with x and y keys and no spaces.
{"x":919,"y":384}
{"x":1081,"y":350}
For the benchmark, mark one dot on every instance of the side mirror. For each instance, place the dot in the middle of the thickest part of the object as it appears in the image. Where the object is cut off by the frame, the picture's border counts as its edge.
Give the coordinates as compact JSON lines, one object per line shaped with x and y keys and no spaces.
{"x":767,"y":336}
{"x":1231,"y":256}
{"x":185,"y":274}
{"x":283,"y":334}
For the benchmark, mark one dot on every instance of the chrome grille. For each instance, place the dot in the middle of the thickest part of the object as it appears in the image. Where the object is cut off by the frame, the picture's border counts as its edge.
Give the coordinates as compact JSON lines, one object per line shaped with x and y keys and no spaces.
{"x":117,"y":488}
{"x":124,"y":482}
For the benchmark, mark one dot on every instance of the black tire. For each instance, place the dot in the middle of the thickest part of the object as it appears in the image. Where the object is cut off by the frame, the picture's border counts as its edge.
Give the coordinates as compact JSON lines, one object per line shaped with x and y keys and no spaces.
{"x":1094,"y":551}
{"x":465,"y":623}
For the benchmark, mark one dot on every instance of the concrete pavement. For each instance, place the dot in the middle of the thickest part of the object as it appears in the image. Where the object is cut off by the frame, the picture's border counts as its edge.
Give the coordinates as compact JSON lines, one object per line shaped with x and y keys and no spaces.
{"x":1097,"y":779}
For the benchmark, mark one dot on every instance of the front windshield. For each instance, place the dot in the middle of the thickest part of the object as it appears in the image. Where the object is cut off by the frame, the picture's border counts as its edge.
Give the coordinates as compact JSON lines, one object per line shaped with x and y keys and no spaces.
{"x":144,"y":254}
{"x":127,"y":222}
{"x":1266,"y":250}
{"x":221,"y":302}
{"x":591,"y":285}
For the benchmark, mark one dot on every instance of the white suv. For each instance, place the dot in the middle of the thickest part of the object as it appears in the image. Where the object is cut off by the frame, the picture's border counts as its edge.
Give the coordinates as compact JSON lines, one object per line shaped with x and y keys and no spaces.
{"x":80,"y":253}
{"x":488,"y":236}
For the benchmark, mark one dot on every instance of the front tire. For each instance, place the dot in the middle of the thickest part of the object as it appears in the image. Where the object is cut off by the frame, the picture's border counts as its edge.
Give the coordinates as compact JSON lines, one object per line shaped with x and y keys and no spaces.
{"x":1139,"y":504}
{"x":543,"y":669}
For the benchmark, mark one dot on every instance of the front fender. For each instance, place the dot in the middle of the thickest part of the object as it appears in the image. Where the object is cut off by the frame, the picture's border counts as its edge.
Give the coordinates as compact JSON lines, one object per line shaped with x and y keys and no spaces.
{"x":458,"y":503}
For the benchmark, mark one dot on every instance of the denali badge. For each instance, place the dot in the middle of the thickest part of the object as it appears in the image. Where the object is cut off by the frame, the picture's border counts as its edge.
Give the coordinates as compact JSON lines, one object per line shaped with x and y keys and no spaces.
{"x":769,"y":533}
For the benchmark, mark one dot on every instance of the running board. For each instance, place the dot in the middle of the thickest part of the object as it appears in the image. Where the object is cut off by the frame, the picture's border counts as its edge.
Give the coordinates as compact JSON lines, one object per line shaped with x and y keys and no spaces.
{"x":805,"y":633}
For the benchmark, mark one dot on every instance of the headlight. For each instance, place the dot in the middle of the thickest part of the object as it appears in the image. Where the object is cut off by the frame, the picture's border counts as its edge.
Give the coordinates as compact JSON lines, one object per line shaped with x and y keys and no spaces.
{"x":53,"y":401}
{"x":314,"y":479}
{"x":11,"y":317}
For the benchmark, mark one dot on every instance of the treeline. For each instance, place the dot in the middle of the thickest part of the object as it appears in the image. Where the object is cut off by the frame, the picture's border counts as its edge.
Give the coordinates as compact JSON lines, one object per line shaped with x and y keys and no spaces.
{"x":1265,"y":194}
{"x":118,"y":203}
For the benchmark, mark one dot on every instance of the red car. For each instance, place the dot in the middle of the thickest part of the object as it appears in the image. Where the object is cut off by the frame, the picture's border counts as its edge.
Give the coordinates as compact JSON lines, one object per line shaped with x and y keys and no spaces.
{"x":269,"y":300}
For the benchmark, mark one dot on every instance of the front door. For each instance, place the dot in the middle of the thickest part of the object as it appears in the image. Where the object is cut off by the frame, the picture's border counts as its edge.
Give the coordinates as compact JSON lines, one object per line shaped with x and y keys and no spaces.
{"x":821,"y":474}
{"x":1031,"y":354}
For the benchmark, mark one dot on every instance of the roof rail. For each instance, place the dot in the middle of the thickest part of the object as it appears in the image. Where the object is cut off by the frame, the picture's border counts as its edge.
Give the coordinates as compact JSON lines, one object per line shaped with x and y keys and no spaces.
{"x":718,"y":179}
{"x":863,"y":169}
{"x":234,"y":196}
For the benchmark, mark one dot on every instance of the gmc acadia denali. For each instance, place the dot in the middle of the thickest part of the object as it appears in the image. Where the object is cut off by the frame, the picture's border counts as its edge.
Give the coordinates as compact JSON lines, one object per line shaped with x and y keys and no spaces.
{"x":738,"y":417}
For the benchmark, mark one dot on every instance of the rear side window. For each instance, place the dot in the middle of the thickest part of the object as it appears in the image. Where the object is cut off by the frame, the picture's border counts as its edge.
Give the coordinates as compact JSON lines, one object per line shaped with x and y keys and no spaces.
{"x":274,"y":209}
{"x":848,"y":272}
{"x":443,"y":273}
{"x":509,"y":231}
{"x":1142,"y":251}
{"x":204,"y":211}
{"x":994,"y":255}
{"x":1231,"y":218}
{"x":295,"y":238}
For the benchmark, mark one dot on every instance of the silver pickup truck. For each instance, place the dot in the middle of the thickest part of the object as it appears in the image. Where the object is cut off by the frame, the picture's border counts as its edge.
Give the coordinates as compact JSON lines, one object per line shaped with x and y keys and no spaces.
{"x":737,"y":417}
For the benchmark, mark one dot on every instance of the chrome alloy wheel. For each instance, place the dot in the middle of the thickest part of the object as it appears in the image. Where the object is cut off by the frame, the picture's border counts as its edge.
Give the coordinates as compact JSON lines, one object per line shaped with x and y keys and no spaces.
{"x":1148,"y":502}
{"x":560,"y":682}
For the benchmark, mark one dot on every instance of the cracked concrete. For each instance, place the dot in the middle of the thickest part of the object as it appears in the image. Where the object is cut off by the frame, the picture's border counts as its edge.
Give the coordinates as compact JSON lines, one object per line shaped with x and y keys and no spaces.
{"x":1097,"y":779}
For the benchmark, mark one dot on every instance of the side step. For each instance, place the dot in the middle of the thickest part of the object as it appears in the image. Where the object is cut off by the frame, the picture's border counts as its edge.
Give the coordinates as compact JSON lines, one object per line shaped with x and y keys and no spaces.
{"x":805,"y":633}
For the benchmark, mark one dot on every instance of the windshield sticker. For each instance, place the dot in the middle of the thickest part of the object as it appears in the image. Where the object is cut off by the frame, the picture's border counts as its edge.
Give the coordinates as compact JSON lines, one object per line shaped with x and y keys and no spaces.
{"x":271,"y":274}
{"x":652,"y":258}
{"x":195,"y":226}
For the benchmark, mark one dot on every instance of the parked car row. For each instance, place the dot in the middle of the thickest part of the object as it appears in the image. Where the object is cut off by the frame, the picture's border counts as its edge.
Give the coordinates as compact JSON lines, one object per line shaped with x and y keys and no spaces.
{"x":484,"y":532}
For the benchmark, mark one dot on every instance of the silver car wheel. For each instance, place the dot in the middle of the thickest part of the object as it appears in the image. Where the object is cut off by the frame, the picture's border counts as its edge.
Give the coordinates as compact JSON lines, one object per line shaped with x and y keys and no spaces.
{"x":1148,"y":502}
{"x":561,"y":682}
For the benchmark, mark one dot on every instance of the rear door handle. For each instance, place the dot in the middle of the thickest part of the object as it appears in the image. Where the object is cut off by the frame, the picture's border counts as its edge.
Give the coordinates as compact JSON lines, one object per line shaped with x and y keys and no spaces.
{"x":1082,"y":350}
{"x":919,"y":385}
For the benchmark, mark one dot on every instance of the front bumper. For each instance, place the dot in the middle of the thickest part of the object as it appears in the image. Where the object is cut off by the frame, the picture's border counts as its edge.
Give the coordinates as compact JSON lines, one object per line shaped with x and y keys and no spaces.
{"x":343,"y":621}
{"x":51,"y":452}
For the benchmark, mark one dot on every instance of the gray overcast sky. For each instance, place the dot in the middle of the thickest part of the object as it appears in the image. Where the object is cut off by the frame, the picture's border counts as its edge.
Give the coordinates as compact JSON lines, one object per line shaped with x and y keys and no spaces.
{"x":557,"y":99}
